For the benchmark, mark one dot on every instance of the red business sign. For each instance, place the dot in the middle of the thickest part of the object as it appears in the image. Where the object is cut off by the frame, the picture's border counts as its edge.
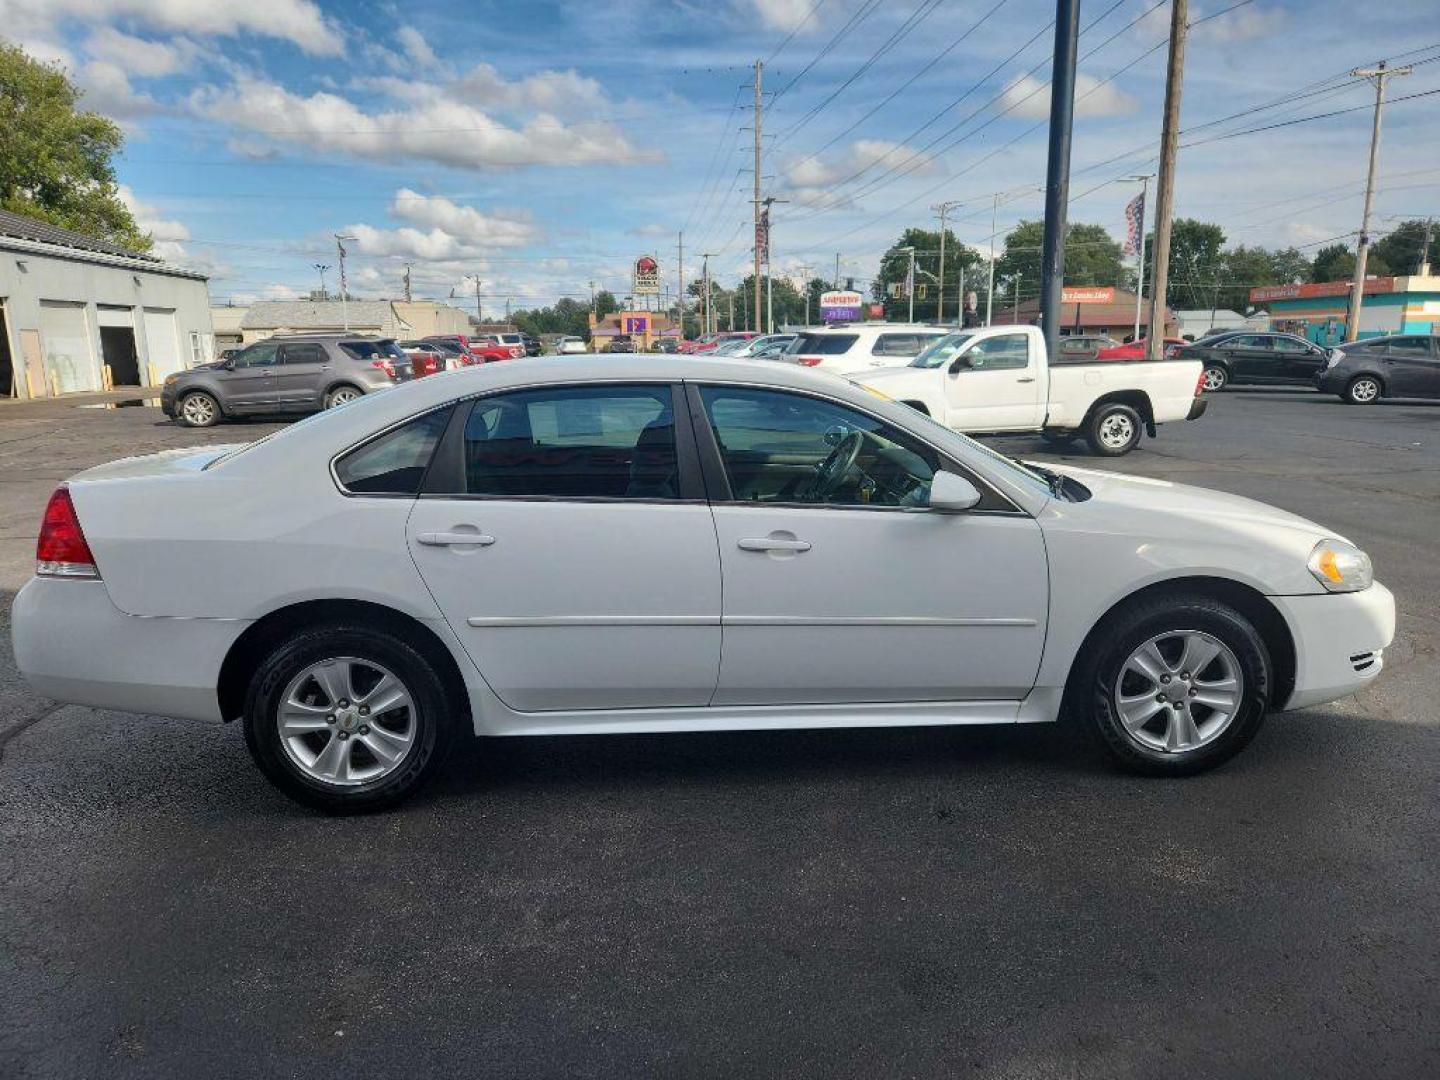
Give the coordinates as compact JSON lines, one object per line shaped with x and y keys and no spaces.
{"x":1266,"y":293}
{"x":1088,"y":294}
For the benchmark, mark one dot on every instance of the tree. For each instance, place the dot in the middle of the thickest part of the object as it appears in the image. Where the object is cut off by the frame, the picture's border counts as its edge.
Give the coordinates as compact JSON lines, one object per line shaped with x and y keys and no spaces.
{"x":55,"y":160}
{"x":1092,"y":257}
{"x":1244,"y":268}
{"x":1401,"y":248}
{"x":895,"y":264}
{"x":1195,"y":263}
{"x":1336,"y":262}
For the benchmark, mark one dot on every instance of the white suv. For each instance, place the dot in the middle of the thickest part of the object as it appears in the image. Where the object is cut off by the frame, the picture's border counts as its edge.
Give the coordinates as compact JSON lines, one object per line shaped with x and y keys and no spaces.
{"x":843,"y":349}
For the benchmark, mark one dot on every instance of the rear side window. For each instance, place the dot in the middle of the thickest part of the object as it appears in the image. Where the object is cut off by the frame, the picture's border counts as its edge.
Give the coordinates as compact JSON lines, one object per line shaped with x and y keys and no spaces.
{"x":824,"y":344}
{"x":305,"y":353}
{"x":395,"y":463}
{"x":1410,"y":346}
{"x":372,"y":350}
{"x":613,"y":442}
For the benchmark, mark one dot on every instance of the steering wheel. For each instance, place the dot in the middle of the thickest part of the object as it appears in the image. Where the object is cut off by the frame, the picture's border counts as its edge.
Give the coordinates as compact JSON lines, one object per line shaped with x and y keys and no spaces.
{"x":836,"y":467}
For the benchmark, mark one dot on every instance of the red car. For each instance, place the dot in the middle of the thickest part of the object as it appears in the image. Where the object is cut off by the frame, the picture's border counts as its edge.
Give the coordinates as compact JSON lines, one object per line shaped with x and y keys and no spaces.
{"x":711,"y":342}
{"x":1135,"y":350}
{"x":480,"y":350}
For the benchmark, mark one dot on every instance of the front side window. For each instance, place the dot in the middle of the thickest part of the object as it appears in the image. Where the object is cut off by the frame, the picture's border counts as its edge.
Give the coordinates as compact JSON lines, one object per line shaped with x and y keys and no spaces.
{"x":613,"y":442}
{"x":395,"y":463}
{"x":1250,"y":341}
{"x":940,"y":351}
{"x":261,"y":354}
{"x":789,"y":448}
{"x":998,"y":353}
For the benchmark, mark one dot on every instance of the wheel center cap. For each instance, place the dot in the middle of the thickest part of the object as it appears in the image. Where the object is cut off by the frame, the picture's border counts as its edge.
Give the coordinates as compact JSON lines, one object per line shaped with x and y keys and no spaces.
{"x":1178,"y":690}
{"x":347,"y":719}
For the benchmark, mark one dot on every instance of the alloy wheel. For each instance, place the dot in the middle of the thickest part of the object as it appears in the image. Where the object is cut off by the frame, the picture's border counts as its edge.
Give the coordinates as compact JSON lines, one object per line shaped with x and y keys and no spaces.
{"x":1178,"y":691}
{"x":346,"y":721}
{"x":1364,"y":390}
{"x":1214,"y":379}
{"x":198,"y":410}
{"x":343,"y":395}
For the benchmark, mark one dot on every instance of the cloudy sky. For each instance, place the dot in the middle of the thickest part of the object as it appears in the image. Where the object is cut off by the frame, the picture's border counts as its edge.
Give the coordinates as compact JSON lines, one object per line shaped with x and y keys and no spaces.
{"x":543,"y":144}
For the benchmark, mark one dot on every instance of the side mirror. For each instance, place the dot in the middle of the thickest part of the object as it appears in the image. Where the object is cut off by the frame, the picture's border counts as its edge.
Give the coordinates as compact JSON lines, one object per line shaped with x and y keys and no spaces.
{"x":229,"y":364}
{"x":952,"y":493}
{"x":959,"y":364}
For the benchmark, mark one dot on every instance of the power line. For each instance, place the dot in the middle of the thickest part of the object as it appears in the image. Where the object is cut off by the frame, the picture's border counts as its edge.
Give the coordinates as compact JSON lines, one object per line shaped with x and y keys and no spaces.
{"x":856,"y":18}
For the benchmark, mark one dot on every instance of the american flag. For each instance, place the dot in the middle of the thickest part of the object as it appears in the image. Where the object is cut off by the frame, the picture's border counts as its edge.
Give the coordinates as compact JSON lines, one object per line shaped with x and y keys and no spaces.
{"x":1135,"y":224}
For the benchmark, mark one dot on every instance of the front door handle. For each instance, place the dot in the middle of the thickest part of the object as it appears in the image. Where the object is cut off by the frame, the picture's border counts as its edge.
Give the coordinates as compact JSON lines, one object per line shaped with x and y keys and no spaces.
{"x":455,"y":539}
{"x":771,"y":543}
{"x":1028,"y":378}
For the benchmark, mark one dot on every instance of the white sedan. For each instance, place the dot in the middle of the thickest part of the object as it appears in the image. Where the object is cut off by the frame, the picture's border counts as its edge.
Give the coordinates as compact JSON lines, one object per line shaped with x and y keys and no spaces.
{"x":539,"y":549}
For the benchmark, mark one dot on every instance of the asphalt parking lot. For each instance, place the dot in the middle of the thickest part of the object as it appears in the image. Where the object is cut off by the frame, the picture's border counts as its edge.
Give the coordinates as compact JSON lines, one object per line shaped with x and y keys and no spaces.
{"x":890,"y":903}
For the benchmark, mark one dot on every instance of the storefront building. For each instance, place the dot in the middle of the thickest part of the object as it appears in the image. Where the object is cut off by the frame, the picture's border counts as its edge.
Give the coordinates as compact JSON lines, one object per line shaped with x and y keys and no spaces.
{"x":1392,"y":305}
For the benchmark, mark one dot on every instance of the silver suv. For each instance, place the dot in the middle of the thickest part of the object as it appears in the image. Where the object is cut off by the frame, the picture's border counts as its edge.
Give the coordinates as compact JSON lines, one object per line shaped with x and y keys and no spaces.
{"x":294,"y":373}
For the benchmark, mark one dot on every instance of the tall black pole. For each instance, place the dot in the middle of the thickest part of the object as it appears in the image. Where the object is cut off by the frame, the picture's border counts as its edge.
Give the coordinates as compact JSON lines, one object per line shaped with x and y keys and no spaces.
{"x":1057,"y":170}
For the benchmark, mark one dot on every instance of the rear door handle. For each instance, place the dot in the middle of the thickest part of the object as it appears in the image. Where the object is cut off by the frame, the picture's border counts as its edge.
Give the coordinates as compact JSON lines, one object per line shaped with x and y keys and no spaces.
{"x":454,"y":539}
{"x":767,"y":543}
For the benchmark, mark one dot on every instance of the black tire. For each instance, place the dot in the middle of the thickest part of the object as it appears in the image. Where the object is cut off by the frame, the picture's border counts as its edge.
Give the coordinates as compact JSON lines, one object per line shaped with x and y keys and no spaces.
{"x":1215,"y":377}
{"x":198,"y":409}
{"x":1364,"y":390}
{"x":432,"y":712}
{"x":1113,"y":430}
{"x":342,"y":394}
{"x":1059,"y":438}
{"x":1099,"y":672}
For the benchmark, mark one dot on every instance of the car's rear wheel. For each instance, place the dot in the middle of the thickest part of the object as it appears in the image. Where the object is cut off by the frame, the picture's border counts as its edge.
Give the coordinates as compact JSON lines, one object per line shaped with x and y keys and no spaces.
{"x":199,"y":409}
{"x":1176,"y":685}
{"x":342,"y":395}
{"x":1214,"y":378}
{"x":346,"y":718}
{"x":1364,"y":389}
{"x":1113,"y":430}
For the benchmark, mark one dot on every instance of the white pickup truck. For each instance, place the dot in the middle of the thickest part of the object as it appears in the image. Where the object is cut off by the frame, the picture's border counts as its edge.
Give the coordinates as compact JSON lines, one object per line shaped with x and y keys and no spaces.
{"x":999,"y":379}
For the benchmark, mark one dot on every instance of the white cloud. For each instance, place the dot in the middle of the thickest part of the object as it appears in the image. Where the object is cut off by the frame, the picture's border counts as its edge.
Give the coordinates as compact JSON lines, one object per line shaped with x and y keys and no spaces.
{"x":784,"y":15}
{"x":1243,"y":24}
{"x":1029,"y":99}
{"x":564,"y":93}
{"x":169,"y":235}
{"x":440,"y":230}
{"x":137,"y":56}
{"x":814,"y":172}
{"x":107,"y":90}
{"x":447,"y":132}
{"x":414,"y":45}
{"x":298,"y":21}
{"x":648,"y":230}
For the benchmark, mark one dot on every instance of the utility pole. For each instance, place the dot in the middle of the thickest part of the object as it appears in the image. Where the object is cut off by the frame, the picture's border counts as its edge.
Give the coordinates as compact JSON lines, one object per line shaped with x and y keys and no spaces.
{"x":836,"y":283}
{"x":1423,"y":270}
{"x":990,"y":287}
{"x":407,"y":281}
{"x":805,"y":272}
{"x":1057,"y":169}
{"x":1015,"y":318}
{"x":592,"y":298}
{"x":344,"y":287}
{"x":731,"y":294}
{"x":769,"y":201}
{"x":476,"y":278}
{"x":759,"y":111}
{"x":680,"y":281}
{"x":1165,"y":179}
{"x":1140,"y":256}
{"x":322,"y":267}
{"x":1378,"y":75}
{"x":943,"y":209}
{"x":705,"y":293}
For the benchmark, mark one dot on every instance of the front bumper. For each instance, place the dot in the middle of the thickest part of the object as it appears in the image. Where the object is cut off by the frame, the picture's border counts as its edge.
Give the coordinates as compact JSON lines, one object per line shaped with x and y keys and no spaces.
{"x":1340,"y":640}
{"x":74,"y":645}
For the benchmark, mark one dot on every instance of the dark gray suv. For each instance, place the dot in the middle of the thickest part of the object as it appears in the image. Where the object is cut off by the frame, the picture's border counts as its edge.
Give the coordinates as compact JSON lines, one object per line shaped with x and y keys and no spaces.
{"x":294,"y":373}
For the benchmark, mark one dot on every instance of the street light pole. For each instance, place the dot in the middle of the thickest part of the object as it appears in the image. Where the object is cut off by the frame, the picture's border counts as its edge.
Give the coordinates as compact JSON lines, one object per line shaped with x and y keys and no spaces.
{"x":1378,"y":75}
{"x":1057,"y":170}
{"x":990,"y":285}
{"x":1165,"y":179}
{"x":322,"y":267}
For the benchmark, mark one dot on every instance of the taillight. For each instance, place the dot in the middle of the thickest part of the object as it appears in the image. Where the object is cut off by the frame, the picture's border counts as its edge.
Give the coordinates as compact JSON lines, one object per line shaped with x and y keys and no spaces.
{"x":808,"y":361}
{"x":61,"y":550}
{"x":385,"y":366}
{"x":1200,"y":383}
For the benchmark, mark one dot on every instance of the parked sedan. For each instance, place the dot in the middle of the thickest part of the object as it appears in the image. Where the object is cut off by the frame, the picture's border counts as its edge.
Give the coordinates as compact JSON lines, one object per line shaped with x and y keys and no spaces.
{"x":1259,"y":359}
{"x":569,"y":346}
{"x":1406,"y":365}
{"x":1135,"y":350}
{"x":562,"y":574}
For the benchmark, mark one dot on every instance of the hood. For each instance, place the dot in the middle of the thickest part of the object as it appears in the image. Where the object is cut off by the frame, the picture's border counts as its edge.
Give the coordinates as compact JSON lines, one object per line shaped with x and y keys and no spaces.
{"x":1204,"y":507}
{"x":166,"y":463}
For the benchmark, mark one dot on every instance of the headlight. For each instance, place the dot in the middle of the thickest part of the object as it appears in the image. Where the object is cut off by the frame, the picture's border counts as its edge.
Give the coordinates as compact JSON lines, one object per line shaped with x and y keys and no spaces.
{"x":171,"y":380}
{"x":1336,"y":355}
{"x":1340,"y":567}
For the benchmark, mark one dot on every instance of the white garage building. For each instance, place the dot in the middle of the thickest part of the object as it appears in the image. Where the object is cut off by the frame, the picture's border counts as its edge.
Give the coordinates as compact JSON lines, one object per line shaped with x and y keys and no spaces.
{"x":82,"y":314}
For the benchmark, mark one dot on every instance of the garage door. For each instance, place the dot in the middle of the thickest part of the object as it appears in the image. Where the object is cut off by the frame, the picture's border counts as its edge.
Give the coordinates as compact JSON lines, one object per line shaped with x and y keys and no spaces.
{"x":69,"y":358}
{"x":162,"y":342}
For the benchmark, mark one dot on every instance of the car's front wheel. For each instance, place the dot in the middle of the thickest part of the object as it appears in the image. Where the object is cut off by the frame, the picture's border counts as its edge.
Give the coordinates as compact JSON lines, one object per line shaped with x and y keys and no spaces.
{"x":1113,"y":430}
{"x":1363,"y":390}
{"x":1175,"y":685}
{"x":199,"y":409}
{"x":346,"y":718}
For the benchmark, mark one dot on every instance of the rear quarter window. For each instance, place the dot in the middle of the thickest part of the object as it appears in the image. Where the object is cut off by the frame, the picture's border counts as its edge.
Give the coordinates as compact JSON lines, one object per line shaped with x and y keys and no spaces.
{"x":395,"y":462}
{"x":824,"y":344}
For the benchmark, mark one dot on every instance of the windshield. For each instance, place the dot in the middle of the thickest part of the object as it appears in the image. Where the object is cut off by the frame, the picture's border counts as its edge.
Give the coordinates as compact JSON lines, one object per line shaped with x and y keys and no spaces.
{"x":941,"y":352}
